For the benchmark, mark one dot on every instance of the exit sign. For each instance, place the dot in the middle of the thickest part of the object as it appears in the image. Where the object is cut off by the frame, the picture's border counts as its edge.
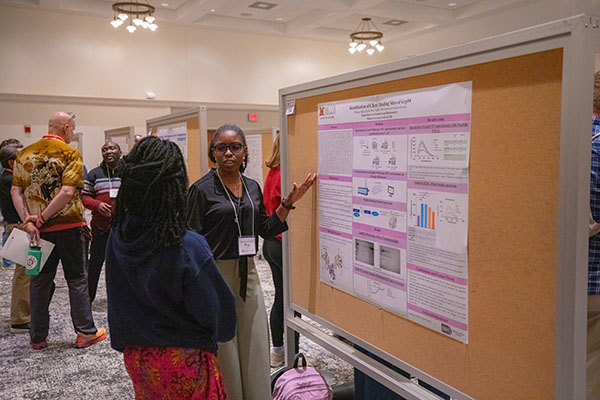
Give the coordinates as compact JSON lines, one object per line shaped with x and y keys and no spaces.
{"x":252,"y":117}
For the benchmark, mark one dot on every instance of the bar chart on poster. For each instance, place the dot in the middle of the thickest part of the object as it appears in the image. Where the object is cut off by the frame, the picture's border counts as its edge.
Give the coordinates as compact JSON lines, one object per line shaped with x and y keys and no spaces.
{"x":393,"y":217}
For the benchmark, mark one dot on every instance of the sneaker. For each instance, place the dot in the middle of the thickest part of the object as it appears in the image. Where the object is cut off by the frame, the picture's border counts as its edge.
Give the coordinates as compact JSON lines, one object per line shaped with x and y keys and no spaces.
{"x":84,"y":340}
{"x":277,"y":360}
{"x":20,"y":328}
{"x":38,"y":346}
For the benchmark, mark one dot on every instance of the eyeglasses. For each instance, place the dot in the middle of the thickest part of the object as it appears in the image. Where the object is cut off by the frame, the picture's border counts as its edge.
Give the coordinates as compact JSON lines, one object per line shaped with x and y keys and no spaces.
{"x":222,"y":148}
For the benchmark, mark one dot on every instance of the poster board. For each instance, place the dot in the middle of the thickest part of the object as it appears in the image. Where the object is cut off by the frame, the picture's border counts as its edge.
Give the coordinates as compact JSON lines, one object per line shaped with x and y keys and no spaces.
{"x":525,"y":341}
{"x":193,"y":121}
{"x":124,"y":137}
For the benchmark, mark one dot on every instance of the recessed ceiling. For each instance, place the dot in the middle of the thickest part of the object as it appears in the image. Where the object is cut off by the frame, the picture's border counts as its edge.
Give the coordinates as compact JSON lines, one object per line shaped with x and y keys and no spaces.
{"x":331,"y":20}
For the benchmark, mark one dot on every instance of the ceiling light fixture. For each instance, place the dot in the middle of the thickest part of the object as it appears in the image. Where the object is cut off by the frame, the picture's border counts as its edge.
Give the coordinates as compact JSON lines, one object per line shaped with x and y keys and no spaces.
{"x":139,"y":14}
{"x":366,"y":32}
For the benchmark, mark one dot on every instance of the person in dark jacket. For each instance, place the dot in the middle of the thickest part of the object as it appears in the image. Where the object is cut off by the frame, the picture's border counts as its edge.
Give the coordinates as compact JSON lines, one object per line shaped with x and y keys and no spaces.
{"x":100,"y":189}
{"x":20,"y":309}
{"x":168,"y":304}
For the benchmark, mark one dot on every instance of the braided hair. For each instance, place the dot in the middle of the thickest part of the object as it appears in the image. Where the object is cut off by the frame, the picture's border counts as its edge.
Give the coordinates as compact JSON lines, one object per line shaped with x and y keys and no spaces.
{"x":228,"y":127}
{"x":154,"y":186}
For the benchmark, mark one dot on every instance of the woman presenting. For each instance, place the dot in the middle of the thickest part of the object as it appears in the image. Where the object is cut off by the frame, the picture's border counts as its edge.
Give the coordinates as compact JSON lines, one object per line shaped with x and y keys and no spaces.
{"x":227,"y":208}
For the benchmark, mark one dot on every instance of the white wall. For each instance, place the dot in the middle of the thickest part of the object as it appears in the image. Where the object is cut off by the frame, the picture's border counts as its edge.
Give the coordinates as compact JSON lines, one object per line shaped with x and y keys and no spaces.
{"x":52,"y":54}
{"x":266,"y":119}
{"x":91,"y":120}
{"x":70,"y":55}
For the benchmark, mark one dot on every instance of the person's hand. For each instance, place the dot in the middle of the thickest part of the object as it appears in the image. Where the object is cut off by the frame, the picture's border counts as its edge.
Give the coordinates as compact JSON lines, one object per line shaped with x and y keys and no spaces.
{"x":105,"y":209}
{"x":31,"y":218}
{"x":33,"y":232}
{"x":298,"y":190}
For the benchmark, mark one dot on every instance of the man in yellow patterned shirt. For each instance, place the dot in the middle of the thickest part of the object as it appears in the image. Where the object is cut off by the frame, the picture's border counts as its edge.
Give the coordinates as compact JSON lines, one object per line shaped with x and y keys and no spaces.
{"x":46,"y":177}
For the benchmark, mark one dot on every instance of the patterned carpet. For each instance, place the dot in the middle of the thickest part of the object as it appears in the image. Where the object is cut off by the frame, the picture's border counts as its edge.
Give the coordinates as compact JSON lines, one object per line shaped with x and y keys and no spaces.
{"x":64,"y":372}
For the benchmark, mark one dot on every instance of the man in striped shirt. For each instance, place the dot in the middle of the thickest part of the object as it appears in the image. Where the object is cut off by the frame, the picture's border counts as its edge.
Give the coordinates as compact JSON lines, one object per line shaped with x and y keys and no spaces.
{"x":99,"y":194}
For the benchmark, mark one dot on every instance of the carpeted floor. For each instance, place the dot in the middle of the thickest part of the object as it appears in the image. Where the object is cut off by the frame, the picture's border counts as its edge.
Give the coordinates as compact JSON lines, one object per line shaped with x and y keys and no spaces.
{"x":64,"y":372}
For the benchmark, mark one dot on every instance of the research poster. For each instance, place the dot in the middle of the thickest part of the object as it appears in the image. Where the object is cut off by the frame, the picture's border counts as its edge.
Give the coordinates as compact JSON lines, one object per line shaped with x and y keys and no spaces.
{"x":176,"y":133}
{"x":255,"y":158}
{"x":393,"y":184}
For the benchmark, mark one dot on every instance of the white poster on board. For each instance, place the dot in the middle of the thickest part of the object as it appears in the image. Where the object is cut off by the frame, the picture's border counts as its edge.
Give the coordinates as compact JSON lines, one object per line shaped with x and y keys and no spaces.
{"x":393,"y":202}
{"x":254,"y":168}
{"x":175,"y":133}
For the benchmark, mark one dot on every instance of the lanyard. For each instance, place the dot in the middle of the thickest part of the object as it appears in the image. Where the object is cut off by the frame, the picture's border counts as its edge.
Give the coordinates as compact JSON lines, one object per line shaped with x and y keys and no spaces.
{"x":109,"y":180}
{"x":237,"y":221}
{"x":53,"y":137}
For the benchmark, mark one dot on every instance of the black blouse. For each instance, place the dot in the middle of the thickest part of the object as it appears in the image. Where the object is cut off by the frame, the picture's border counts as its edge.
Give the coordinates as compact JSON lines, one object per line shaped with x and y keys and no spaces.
{"x":209,"y":212}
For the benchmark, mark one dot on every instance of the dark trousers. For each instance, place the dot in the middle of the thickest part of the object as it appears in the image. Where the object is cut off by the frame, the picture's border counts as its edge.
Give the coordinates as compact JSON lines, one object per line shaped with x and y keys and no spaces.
{"x":273,"y":255}
{"x":97,"y":255}
{"x":70,"y":247}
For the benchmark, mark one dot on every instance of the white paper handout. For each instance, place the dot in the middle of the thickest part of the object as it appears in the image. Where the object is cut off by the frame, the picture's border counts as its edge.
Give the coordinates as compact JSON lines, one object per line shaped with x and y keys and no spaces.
{"x":17,"y":246}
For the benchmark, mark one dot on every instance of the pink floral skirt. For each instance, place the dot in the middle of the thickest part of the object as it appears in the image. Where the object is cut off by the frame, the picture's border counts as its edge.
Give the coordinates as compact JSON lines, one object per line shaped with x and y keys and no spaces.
{"x":174,"y":373}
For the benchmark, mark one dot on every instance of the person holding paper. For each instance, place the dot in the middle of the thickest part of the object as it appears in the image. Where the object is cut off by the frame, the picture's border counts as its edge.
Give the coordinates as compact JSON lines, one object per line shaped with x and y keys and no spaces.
{"x":227,"y":207}
{"x":7,"y":264}
{"x":47,"y":176}
{"x":20,"y":311}
{"x":99,"y":194}
{"x":168,"y":305}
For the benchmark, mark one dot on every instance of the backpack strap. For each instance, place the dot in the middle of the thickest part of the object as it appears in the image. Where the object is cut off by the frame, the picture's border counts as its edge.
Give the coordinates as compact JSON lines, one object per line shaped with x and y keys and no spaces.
{"x":298,"y":357}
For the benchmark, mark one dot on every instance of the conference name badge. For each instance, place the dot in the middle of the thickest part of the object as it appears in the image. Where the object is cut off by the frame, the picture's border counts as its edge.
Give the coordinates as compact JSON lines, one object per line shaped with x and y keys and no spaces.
{"x":113,"y":193}
{"x":246,"y":245}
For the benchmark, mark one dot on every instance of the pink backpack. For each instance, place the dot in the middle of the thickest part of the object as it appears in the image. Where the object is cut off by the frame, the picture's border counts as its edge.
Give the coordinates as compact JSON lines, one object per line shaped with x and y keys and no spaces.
{"x":301,"y":383}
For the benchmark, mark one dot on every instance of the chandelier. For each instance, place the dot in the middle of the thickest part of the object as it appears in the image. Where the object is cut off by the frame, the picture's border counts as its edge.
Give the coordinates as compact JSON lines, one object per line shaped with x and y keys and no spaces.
{"x":366,"y":34}
{"x":139,"y":14}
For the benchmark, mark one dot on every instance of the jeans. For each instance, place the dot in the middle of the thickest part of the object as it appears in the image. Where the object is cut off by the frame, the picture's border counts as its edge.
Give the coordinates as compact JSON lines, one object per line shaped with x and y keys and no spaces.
{"x":273,"y":254}
{"x":96,"y":260}
{"x":70,"y":247}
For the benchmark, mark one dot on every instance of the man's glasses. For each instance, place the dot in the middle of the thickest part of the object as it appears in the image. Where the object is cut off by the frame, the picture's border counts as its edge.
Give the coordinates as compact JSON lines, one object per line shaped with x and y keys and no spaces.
{"x":70,"y":114}
{"x":222,"y":148}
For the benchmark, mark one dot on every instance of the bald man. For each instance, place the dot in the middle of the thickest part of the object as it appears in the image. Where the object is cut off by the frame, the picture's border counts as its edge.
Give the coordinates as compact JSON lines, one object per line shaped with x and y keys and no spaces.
{"x":99,"y":194}
{"x":47,"y":176}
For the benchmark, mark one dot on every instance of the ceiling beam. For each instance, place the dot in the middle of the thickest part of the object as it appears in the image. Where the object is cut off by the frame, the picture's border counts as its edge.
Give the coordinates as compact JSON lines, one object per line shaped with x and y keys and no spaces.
{"x":315,"y":19}
{"x":49,"y":4}
{"x":410,"y":12}
{"x":192,"y":10}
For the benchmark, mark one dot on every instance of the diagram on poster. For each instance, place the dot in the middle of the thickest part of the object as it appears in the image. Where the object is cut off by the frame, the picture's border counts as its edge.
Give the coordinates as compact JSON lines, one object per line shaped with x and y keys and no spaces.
{"x":393,"y":202}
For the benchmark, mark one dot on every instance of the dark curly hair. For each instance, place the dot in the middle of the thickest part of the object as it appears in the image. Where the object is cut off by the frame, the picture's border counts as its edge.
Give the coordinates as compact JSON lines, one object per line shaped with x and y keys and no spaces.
{"x":154,"y":185}
{"x":238,"y":131}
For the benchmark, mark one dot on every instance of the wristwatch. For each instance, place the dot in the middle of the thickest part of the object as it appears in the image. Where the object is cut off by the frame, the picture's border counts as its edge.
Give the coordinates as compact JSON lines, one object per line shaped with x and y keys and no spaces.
{"x":287,"y":206}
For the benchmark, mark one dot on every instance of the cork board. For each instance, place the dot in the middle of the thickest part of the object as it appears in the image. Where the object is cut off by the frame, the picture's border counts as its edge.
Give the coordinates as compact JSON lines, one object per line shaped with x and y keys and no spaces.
{"x":512,"y":237}
{"x":193,"y":142}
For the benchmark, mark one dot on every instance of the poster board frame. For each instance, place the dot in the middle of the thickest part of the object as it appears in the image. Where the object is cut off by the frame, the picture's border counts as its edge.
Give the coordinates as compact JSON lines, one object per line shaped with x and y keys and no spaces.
{"x":197,"y":161}
{"x":575,"y":37}
{"x":128,"y":131}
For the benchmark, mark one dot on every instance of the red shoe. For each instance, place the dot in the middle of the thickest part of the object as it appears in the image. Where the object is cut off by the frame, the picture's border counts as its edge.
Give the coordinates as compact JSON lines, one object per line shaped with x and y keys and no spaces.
{"x":84,"y":340}
{"x":38,"y":346}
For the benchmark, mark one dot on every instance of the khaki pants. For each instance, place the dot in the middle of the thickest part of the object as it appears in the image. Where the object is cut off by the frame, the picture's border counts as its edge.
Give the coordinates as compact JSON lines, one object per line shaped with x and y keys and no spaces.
{"x":244,"y":361}
{"x":20,"y":310}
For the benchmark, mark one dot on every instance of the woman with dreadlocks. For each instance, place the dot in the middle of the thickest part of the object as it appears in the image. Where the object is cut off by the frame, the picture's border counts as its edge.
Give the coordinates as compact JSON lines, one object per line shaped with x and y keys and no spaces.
{"x":168,"y":304}
{"x":227,"y":207}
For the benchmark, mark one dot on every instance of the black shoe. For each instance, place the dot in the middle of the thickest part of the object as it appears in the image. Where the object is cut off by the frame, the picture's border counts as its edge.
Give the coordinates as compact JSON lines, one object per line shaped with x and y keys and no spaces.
{"x":20,"y":328}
